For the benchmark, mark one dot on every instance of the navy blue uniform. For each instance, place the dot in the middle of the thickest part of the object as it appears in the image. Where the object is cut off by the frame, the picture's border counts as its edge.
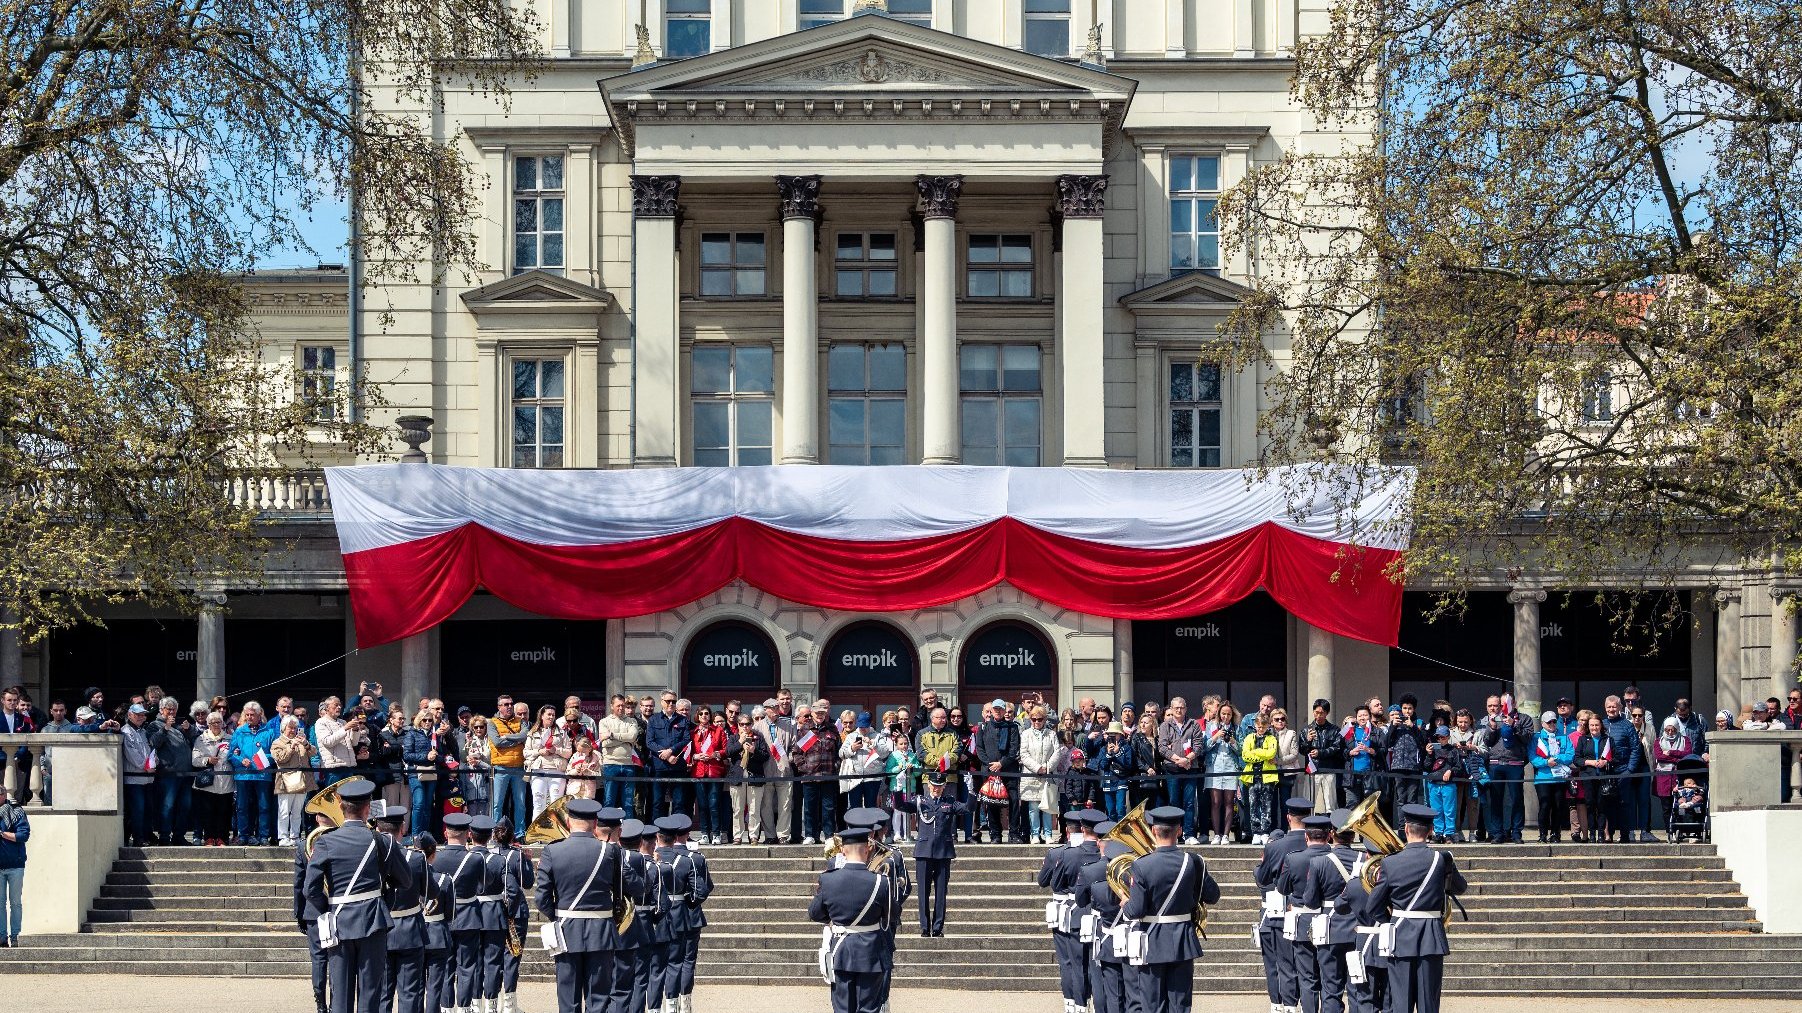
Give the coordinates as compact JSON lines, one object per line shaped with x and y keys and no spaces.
{"x":1062,"y":873}
{"x":934,"y":850}
{"x":501,"y":889}
{"x":351,"y":870}
{"x":1290,"y":883}
{"x":1167,"y":886}
{"x":440,"y":953}
{"x":1372,"y":994}
{"x":856,"y":906}
{"x":468,"y":872}
{"x":575,"y":887}
{"x":1279,"y":957}
{"x":307,"y":917}
{"x":517,"y":912}
{"x":1326,"y":879}
{"x":407,"y":939}
{"x":690,"y":883}
{"x":1108,"y":973}
{"x":1412,"y":886}
{"x":631,"y":966}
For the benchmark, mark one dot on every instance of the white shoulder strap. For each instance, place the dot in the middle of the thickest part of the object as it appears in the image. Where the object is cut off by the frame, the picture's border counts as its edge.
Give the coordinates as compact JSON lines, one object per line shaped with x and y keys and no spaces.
{"x":875,"y":892}
{"x":1170,"y":898}
{"x":1422,"y":888}
{"x":599,"y":860}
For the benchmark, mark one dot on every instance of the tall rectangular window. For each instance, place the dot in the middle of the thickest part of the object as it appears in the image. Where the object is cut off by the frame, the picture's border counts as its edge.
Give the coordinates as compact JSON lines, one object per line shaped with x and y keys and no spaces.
{"x":1194,"y":415}
{"x":733,"y":395}
{"x":914,"y":12}
{"x":538,"y":413}
{"x":1000,"y":266}
{"x":1598,"y":398}
{"x":865,"y":265}
{"x":538,"y":213}
{"x":815,"y":13}
{"x":732,"y":263}
{"x":866,"y":404}
{"x":1047,"y":28}
{"x":319,"y":381}
{"x":1003,"y":404}
{"x":1194,"y":229}
{"x":687,"y":28}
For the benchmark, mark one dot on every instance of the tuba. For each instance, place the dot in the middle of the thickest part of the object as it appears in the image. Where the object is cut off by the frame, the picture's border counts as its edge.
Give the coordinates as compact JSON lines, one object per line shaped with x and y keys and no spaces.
{"x":1133,"y":832}
{"x":1367,"y":819}
{"x":550,"y":825}
{"x":326,"y":804}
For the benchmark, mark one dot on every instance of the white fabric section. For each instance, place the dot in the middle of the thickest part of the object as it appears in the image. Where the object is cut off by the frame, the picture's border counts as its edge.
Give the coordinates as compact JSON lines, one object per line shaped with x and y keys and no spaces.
{"x":390,"y":504}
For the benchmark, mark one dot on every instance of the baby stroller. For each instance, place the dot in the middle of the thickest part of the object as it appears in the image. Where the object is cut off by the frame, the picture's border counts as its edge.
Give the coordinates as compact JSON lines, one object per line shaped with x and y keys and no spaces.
{"x":1689,"y":825}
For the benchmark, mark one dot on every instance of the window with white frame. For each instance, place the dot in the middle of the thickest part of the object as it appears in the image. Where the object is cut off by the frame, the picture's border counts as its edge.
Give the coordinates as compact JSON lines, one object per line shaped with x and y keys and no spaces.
{"x":319,"y":382}
{"x":1194,"y":227}
{"x":538,"y":213}
{"x":732,"y":393}
{"x":866,"y":404}
{"x":865,"y":265}
{"x":815,"y":13}
{"x":733,"y":263}
{"x":1047,"y":28}
{"x":1598,"y":397}
{"x":916,"y":12}
{"x":999,"y":266}
{"x":1002,"y":404}
{"x":538,"y":410}
{"x":1194,"y":415}
{"x":687,"y":28}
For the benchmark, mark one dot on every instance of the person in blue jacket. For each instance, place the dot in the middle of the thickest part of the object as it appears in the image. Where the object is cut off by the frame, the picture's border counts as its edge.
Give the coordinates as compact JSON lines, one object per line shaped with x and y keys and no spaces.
{"x":253,"y":769}
{"x":1551,"y":758}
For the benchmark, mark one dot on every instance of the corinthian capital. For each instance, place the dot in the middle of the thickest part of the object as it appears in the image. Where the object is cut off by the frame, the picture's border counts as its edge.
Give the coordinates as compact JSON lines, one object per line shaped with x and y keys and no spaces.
{"x":1081,"y":196}
{"x":938,"y":195}
{"x":800,"y":196}
{"x":655,"y":196}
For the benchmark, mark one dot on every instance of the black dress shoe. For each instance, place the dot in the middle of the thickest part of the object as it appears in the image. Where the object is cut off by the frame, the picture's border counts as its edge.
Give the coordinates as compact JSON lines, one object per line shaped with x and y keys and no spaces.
{"x":925,"y":934}
{"x":939,"y":934}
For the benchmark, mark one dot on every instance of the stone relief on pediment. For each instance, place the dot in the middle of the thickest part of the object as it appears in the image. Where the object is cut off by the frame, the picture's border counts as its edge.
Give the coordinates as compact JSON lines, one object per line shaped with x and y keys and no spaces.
{"x":873,"y":68}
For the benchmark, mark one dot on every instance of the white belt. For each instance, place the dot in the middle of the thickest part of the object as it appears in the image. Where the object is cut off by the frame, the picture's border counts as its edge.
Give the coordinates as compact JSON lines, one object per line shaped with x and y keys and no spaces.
{"x":1305,"y":910}
{"x":678,"y":896}
{"x":489,"y":898}
{"x":406,"y":912}
{"x":1165,"y":919}
{"x":583,"y":914}
{"x":849,"y":929}
{"x":1369,"y":930}
{"x":433,"y":919}
{"x":1063,"y":896}
{"x":356,"y":898}
{"x":1423,"y":915}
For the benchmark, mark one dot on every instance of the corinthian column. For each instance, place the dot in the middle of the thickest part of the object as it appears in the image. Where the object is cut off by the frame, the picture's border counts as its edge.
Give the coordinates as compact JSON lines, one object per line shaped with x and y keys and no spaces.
{"x":938,"y":308}
{"x":800,"y":321}
{"x":1080,"y":202}
{"x":654,"y":313}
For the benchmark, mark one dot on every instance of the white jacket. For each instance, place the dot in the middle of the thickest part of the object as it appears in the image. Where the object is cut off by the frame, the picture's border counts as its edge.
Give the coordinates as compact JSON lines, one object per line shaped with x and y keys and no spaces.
{"x":1039,"y":748}
{"x":554,"y":758}
{"x":337,"y":743}
{"x":870,"y":758}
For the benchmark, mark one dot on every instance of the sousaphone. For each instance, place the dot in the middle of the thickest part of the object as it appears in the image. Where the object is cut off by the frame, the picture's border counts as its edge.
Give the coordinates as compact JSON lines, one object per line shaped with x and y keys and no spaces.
{"x":327,"y":804}
{"x":1135,"y":833}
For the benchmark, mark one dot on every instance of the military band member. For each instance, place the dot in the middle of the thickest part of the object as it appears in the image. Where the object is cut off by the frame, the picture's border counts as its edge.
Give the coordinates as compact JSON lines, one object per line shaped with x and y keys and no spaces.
{"x":1109,"y":948}
{"x":1328,"y":876}
{"x":1298,"y":924}
{"x":498,"y":892}
{"x":631,"y":965}
{"x":467,"y":870}
{"x":575,"y":891}
{"x":690,"y":885}
{"x":1167,"y":886}
{"x":652,"y":957}
{"x":1366,"y":969}
{"x":935,"y":848}
{"x":405,"y":979}
{"x":517,"y":912}
{"x":440,"y":954}
{"x":1062,"y":872}
{"x":855,"y":905}
{"x":307,"y":917}
{"x":349,"y":872}
{"x":894,"y":866}
{"x":1412,"y":886}
{"x":1279,"y":957}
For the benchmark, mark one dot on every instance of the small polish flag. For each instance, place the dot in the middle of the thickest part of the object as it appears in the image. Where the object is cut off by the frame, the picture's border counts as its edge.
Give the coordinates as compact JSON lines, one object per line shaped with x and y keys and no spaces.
{"x":688,"y":753}
{"x":1188,"y":747}
{"x":805,"y":742}
{"x":261,"y":760}
{"x":637,"y":761}
{"x":150,"y":763}
{"x":945,"y":762}
{"x":776,"y":750}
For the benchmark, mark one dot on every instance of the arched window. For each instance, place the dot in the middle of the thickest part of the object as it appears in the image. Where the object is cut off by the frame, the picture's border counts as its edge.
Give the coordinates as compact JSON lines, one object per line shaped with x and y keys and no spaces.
{"x":1004,"y":658}
{"x":731,"y":656}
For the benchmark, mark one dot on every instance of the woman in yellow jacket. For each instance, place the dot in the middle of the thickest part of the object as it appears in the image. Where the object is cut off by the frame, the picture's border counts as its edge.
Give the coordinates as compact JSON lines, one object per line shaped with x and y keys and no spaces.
{"x":1260,"y":778}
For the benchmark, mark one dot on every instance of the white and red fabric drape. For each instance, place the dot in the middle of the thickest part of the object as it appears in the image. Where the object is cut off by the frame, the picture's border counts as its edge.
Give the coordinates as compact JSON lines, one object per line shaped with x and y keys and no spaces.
{"x":418,"y":540}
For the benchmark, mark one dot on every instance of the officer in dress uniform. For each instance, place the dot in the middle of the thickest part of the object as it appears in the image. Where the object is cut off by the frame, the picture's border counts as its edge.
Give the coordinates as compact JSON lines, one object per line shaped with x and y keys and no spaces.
{"x":690,"y":885}
{"x":575,"y":890}
{"x":856,"y":906}
{"x":1278,"y":955}
{"x":934,"y":849}
{"x":307,"y":917}
{"x":350,"y":871}
{"x":1109,"y":948}
{"x":440,"y":954}
{"x":518,"y":866}
{"x":1298,"y":927}
{"x":1412,"y":886}
{"x":1366,"y":969}
{"x":894,"y":866}
{"x":1167,"y":885}
{"x":1062,"y":872}
{"x":467,"y":870}
{"x":652,"y":955}
{"x":1327,"y":879}
{"x":628,"y":980}
{"x":498,"y":893}
{"x":407,"y":939}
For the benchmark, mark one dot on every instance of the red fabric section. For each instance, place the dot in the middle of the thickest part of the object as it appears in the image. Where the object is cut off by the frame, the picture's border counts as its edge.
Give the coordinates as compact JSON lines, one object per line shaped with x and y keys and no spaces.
{"x":400,"y":590}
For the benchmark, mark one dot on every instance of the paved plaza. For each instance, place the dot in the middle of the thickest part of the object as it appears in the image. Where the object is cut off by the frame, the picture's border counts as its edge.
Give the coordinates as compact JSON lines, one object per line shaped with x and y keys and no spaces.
{"x":65,"y":993}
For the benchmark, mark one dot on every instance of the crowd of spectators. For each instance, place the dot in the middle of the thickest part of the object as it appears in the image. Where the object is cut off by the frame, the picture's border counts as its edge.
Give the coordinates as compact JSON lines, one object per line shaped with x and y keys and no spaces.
{"x":775,"y":771}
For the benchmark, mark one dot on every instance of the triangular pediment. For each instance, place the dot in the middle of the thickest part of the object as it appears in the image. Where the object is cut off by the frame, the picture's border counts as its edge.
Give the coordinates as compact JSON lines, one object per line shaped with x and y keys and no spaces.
{"x":867,"y":55}
{"x":1195,"y":290}
{"x":536,"y":291}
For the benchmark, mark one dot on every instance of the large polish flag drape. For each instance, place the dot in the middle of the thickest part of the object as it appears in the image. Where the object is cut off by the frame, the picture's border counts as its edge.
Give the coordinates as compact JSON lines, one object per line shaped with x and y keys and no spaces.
{"x":419,"y":540}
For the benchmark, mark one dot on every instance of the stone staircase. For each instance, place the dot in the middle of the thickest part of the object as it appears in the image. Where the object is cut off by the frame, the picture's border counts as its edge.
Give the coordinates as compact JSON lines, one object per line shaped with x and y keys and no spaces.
{"x":1649,"y":919}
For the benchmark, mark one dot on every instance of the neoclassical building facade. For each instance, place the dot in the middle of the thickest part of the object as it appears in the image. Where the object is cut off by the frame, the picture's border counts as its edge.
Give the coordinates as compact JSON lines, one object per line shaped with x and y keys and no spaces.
{"x":795,"y":233}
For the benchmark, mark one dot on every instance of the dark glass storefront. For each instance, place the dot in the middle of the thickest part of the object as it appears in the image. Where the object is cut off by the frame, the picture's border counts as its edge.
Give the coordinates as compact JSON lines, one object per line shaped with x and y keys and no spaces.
{"x":539,"y":661}
{"x":1002,"y":660}
{"x":260,"y":651}
{"x":1480,"y":639}
{"x":730,"y":660}
{"x":1239,"y":653}
{"x":122,"y":658}
{"x":870,"y":666}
